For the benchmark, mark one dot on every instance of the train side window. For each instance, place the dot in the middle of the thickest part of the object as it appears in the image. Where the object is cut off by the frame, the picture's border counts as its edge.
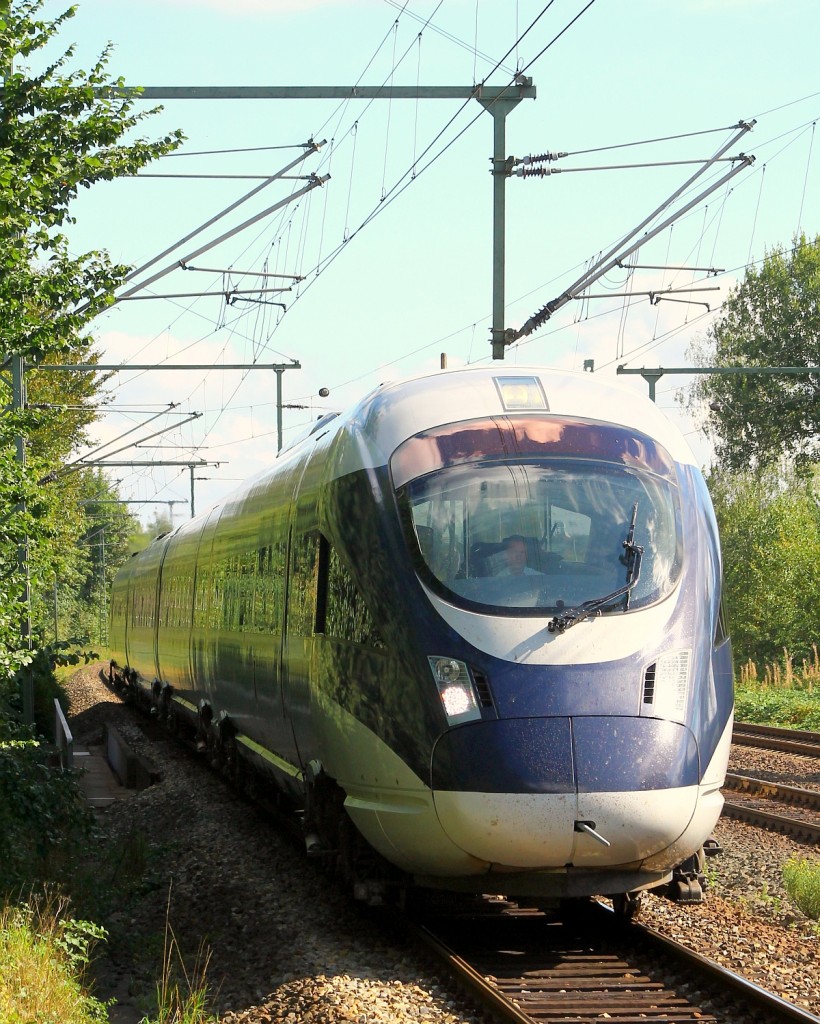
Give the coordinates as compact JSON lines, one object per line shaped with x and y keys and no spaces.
{"x":269,"y":571}
{"x":175,"y":598}
{"x":721,"y":627}
{"x":206,"y":596}
{"x":346,"y":616}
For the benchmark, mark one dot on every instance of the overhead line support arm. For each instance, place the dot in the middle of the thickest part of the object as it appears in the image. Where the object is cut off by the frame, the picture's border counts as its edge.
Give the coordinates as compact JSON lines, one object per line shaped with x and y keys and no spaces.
{"x":653,"y":374}
{"x":497,"y":100}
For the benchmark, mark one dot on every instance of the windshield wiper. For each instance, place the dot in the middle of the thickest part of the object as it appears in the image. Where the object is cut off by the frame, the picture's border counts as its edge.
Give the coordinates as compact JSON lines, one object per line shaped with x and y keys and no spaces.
{"x":633,"y":554}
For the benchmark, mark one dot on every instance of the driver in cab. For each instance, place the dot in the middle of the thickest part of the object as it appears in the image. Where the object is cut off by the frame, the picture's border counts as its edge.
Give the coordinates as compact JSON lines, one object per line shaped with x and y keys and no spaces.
{"x":515,"y":554}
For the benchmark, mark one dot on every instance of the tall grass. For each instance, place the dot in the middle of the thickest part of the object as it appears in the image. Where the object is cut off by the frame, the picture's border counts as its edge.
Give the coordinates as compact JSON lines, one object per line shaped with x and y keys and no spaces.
{"x":801,"y":878}
{"x":182,"y":994}
{"x":43,"y":961}
{"x":783,"y":694}
{"x":782,"y":677}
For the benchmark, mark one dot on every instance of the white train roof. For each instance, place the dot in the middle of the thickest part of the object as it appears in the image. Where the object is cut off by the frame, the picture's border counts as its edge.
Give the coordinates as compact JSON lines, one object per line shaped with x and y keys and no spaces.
{"x":374,"y":428}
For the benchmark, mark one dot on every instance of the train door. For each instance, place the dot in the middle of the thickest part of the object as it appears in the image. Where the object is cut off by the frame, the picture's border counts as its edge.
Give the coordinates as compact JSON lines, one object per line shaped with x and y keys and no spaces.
{"x":206,"y":614}
{"x":256,"y":548}
{"x":300,"y":611}
{"x":143,"y":609}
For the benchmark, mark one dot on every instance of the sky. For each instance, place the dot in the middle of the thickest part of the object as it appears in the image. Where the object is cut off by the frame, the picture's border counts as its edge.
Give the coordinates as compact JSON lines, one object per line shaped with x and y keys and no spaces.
{"x":395,"y":248}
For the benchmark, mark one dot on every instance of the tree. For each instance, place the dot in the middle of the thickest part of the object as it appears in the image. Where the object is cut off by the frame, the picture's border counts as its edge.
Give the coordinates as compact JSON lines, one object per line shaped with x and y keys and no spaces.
{"x":60,"y":130}
{"x":770,"y":535}
{"x":102,"y":546}
{"x":58,"y":133}
{"x":771,"y":319}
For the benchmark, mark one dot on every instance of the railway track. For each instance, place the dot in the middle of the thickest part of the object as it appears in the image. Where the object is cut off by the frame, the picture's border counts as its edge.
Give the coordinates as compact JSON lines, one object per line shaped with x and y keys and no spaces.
{"x":770,"y":737}
{"x":528,"y":966}
{"x":583,"y":979}
{"x":760,"y":803}
{"x":790,"y":810}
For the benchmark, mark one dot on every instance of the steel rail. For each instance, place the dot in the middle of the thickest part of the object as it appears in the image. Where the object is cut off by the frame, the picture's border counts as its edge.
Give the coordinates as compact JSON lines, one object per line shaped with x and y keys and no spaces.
{"x":564,"y":1002}
{"x":791,"y":741}
{"x":809,"y":798}
{"x":797,"y":828}
{"x":487,"y":993}
{"x":808,"y":735}
{"x":775,"y":1008}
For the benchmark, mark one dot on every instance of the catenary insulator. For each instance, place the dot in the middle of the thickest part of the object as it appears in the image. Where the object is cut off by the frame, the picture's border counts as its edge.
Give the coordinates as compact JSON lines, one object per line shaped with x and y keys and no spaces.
{"x":540,"y":158}
{"x":536,"y":172}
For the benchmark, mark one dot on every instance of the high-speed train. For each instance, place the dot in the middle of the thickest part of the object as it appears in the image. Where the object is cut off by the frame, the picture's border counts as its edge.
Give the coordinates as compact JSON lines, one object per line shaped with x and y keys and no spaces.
{"x":472,"y":629}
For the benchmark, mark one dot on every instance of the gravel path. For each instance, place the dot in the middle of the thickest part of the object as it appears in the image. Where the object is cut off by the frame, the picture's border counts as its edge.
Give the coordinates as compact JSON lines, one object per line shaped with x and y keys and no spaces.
{"x":283,"y":946}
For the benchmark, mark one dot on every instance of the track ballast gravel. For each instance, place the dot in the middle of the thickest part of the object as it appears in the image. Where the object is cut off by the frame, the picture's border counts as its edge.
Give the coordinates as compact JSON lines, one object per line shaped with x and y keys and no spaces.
{"x":282,"y":944}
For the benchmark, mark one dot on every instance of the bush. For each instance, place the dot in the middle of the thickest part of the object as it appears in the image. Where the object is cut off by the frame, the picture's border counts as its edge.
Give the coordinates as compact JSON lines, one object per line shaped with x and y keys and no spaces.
{"x":43,"y":818}
{"x":801,"y":878}
{"x":789,"y":709}
{"x":770,"y":535}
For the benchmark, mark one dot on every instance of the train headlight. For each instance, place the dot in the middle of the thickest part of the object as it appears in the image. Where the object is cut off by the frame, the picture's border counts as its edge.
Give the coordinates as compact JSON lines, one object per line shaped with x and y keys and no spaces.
{"x":672,"y":685}
{"x":455,"y":689}
{"x":521,"y":393}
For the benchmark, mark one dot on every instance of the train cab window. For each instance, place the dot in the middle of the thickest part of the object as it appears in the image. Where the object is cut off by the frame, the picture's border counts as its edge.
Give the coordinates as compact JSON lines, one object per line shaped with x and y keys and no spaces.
{"x":525,"y":518}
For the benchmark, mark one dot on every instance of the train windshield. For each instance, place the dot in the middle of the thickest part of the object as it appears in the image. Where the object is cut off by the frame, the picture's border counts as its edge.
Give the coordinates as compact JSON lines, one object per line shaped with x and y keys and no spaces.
{"x":534,"y":522}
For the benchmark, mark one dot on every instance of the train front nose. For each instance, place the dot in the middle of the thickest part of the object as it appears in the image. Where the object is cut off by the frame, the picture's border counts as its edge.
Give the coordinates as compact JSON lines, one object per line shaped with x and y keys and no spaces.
{"x":557,"y":792}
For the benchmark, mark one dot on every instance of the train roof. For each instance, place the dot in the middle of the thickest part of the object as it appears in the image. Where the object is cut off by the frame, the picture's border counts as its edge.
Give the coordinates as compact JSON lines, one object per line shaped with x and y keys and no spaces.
{"x":396,"y":411}
{"x":367,"y":434}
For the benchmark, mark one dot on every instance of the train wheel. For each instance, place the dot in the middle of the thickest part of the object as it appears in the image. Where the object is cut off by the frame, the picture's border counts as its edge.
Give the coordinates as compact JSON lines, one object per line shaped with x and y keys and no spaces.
{"x":627,"y":905}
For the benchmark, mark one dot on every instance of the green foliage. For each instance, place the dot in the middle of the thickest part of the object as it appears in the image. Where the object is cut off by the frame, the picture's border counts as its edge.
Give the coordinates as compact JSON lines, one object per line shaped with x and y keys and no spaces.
{"x":784,"y":695}
{"x":44,"y":822}
{"x":62,"y":129}
{"x":771,"y":319}
{"x":101,"y":543}
{"x":58,"y":133}
{"x":801,"y":878}
{"x":76,"y":939}
{"x":785,"y":675}
{"x":43,"y":958}
{"x":790,"y":709}
{"x":770,"y":535}
{"x":43,"y":819}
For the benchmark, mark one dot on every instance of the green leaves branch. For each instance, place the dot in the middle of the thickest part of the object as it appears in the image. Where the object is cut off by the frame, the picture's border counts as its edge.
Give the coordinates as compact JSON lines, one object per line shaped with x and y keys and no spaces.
{"x":62,"y":129}
{"x":772,"y":318}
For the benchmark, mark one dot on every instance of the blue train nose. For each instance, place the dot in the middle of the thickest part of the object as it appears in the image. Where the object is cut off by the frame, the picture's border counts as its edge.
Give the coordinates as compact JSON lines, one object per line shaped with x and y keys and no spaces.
{"x":513,"y":792}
